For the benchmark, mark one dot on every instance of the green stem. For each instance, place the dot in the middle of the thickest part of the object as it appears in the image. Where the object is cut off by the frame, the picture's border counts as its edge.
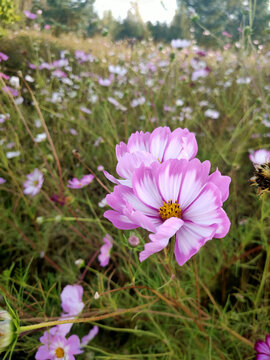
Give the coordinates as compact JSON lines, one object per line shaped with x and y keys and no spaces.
{"x":82,"y":320}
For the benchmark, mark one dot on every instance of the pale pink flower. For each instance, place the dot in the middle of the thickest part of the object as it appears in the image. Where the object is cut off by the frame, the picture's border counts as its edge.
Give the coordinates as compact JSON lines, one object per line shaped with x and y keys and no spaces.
{"x":92,"y":333}
{"x":177,"y":197}
{"x":180,"y":43}
{"x":78,"y":184}
{"x":71,"y":299}
{"x":3,"y":57}
{"x":34,"y":183}
{"x":4,"y":76}
{"x":226,"y":34}
{"x":47,"y":27}
{"x":85,"y":110}
{"x":261,"y":156}
{"x":106,"y":82}
{"x":58,"y":347}
{"x":30,"y":15}
{"x":263,"y":348}
{"x":146,"y":148}
{"x":104,"y":256}
{"x":10,"y":90}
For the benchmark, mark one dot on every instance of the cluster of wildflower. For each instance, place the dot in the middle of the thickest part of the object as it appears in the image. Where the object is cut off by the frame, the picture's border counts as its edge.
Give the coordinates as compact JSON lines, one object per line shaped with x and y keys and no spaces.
{"x":55,"y":343}
{"x":167,"y":191}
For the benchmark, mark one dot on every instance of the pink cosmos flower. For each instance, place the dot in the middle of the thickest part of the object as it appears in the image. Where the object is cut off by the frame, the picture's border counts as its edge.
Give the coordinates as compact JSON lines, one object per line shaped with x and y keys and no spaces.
{"x":226,"y":34}
{"x":30,"y":15}
{"x":58,"y":347}
{"x":34,"y":183}
{"x":2,"y":180}
{"x":4,"y":76}
{"x":92,"y":333}
{"x":146,"y":148}
{"x":261,"y":156}
{"x":71,"y":298}
{"x":263,"y":349}
{"x":104,"y":256}
{"x":85,"y":110}
{"x":106,"y":82}
{"x":177,"y":197}
{"x":10,"y":90}
{"x":180,"y":43}
{"x":78,"y":184}
{"x":47,"y":27}
{"x":3,"y":57}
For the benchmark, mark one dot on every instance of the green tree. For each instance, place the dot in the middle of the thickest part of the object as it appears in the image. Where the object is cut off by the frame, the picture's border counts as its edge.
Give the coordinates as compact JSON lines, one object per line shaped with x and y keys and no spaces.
{"x":132,"y":27}
{"x":67,"y":15}
{"x":8,"y":13}
{"x":217,"y":16}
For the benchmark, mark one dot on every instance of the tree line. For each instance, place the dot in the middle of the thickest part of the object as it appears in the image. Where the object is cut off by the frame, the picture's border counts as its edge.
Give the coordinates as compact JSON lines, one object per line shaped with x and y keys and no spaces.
{"x":206,"y":21}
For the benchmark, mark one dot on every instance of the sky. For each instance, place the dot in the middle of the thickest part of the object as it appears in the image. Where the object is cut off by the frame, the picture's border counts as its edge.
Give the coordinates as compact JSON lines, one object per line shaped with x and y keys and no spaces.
{"x":151,"y":10}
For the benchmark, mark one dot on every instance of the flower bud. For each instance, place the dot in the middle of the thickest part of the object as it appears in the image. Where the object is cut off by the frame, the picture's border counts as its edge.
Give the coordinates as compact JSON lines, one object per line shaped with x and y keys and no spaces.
{"x":5,"y":329}
{"x":133,"y":240}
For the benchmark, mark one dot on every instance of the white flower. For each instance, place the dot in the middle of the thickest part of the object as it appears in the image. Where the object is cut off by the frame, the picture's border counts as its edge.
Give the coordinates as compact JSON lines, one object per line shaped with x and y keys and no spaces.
{"x":33,"y":183}
{"x":213,"y":114}
{"x":14,"y":81}
{"x":40,"y":137}
{"x":180,"y":43}
{"x":12,"y":154}
{"x":29,"y":78}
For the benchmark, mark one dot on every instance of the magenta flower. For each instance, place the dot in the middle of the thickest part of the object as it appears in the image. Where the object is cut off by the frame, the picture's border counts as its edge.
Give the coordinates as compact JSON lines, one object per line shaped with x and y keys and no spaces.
{"x":34,"y":183}
{"x":177,"y":197}
{"x":78,"y":184}
{"x":71,"y":298}
{"x":58,"y":347}
{"x":261,"y":156}
{"x":47,"y":27}
{"x":30,"y":15}
{"x":146,"y":148}
{"x":104,"y":256}
{"x":3,"y":57}
{"x":263,"y":349}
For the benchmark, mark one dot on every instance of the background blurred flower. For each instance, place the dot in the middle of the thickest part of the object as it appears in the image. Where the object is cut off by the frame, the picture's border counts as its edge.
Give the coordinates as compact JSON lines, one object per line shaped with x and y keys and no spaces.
{"x":104,"y":256}
{"x":30,"y":15}
{"x":261,"y":156}
{"x":78,"y":184}
{"x":3,"y":57}
{"x":34,"y":183}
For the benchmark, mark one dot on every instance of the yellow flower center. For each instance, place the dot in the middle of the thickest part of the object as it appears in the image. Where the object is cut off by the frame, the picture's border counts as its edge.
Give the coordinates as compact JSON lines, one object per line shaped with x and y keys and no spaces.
{"x":169,"y":210}
{"x":59,"y":352}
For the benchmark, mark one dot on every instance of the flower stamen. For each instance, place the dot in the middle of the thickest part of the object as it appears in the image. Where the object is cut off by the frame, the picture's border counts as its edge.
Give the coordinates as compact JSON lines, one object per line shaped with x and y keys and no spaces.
{"x":59,"y":352}
{"x":170,"y":209}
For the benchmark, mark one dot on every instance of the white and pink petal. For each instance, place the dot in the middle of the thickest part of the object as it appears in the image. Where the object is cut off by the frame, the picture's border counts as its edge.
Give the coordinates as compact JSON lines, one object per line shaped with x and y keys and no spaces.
{"x":161,"y":238}
{"x":189,"y":239}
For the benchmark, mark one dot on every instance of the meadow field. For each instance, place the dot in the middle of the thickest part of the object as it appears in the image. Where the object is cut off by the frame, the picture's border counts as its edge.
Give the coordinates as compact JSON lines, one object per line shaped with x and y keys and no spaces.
{"x":65,"y":104}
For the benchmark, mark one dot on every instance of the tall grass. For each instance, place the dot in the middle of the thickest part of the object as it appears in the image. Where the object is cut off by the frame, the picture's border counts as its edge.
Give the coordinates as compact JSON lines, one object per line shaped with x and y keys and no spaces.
{"x":215,"y":306}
